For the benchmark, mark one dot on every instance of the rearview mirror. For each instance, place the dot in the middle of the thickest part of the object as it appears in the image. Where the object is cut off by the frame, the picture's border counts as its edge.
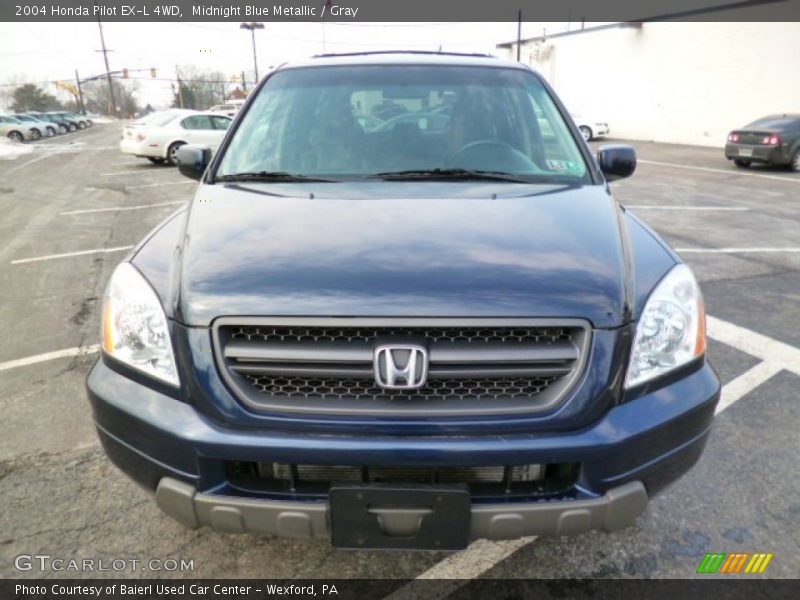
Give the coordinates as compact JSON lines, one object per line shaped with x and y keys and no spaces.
{"x":193,"y":160}
{"x":616,"y":161}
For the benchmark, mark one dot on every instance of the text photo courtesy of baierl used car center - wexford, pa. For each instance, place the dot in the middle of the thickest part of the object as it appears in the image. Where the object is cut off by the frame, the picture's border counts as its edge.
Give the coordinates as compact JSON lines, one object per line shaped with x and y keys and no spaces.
{"x":399,"y":299}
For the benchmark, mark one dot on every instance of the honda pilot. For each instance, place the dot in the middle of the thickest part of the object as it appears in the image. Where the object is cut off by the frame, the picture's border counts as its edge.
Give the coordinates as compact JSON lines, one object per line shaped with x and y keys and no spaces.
{"x":403,"y":310}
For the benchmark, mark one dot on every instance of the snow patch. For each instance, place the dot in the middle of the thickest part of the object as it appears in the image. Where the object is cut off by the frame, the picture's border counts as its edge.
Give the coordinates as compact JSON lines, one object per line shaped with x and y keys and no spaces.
{"x":10,"y":150}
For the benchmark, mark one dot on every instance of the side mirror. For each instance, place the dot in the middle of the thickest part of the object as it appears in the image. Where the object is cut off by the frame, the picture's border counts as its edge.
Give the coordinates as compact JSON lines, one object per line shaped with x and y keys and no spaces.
{"x":617,"y":161}
{"x":193,"y":160}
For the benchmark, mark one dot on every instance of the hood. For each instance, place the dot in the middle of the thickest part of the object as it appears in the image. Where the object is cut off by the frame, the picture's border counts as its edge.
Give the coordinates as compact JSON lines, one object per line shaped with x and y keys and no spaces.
{"x":359,"y":249}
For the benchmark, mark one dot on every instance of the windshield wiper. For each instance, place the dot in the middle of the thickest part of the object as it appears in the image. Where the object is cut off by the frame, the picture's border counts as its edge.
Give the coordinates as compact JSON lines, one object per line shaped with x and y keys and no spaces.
{"x":269,"y":176}
{"x":467,"y":174}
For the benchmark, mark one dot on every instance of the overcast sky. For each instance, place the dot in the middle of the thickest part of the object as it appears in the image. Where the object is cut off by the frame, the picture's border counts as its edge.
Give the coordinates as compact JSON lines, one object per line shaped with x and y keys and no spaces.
{"x":35,"y":52}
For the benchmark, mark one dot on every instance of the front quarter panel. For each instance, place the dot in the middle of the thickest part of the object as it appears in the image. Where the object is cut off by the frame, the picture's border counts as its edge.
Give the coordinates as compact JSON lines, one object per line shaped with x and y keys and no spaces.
{"x":652,"y":260}
{"x":158,"y":258}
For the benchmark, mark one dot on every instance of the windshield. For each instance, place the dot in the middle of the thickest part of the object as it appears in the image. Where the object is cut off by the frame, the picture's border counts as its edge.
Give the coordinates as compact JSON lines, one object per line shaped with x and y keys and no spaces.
{"x":374,"y":121}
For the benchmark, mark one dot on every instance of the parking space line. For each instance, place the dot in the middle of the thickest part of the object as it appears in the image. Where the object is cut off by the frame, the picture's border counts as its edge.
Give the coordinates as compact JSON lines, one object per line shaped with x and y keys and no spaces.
{"x":32,"y":360}
{"x":755,"y":344}
{"x":723,"y":171}
{"x":700,"y":208}
{"x":746,"y":383}
{"x":20,"y":261}
{"x":755,"y":250}
{"x":459,"y":568}
{"x":118,"y":208}
{"x":148,"y":185}
{"x":139,"y":172}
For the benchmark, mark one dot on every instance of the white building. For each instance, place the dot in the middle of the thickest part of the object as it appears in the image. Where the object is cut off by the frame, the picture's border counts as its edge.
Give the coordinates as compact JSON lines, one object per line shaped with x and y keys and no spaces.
{"x":677,"y":82}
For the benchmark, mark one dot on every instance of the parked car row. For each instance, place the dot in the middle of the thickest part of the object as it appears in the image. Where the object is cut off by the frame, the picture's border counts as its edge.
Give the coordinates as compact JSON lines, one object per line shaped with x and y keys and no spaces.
{"x":32,"y":126}
{"x":158,"y":135}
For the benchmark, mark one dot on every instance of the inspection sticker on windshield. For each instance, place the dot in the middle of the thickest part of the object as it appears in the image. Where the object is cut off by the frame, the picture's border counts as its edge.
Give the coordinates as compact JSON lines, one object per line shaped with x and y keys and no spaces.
{"x":561,"y":165}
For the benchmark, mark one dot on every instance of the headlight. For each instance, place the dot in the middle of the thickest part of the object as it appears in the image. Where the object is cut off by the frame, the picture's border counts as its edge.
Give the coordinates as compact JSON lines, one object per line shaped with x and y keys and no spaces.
{"x":134,"y":326}
{"x":672,"y":329}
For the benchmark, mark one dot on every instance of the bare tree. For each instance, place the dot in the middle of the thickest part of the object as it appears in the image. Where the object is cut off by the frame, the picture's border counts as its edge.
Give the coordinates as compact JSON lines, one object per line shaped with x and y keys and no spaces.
{"x":200,"y":89}
{"x":95,"y":97}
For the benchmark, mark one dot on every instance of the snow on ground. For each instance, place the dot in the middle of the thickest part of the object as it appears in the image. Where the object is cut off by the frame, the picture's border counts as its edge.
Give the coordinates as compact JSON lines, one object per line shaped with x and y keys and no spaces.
{"x":10,"y":150}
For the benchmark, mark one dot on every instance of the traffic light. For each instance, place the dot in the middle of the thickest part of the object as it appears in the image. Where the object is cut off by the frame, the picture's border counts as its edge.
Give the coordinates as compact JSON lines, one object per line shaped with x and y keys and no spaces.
{"x":124,"y":73}
{"x":153,"y":73}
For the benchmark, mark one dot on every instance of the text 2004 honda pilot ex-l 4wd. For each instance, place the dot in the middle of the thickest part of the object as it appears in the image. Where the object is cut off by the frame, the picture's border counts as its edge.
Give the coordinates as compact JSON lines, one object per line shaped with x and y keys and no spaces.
{"x":403,"y":310}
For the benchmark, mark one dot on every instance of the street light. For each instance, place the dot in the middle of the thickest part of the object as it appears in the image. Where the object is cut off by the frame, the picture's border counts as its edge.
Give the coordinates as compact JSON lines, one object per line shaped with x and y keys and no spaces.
{"x":252,"y":27}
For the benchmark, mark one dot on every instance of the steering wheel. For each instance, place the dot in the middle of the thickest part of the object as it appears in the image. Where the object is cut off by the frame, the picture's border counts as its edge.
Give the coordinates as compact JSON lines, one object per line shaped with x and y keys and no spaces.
{"x":491,"y":155}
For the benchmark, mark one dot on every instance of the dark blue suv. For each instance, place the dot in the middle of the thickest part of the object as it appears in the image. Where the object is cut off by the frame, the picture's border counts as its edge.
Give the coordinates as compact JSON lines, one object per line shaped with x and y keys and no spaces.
{"x":403,"y":310}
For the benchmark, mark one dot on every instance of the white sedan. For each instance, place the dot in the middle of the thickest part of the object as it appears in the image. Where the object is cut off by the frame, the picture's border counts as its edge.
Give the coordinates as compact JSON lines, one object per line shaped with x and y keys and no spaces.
{"x":157,"y":137}
{"x":591,"y":128}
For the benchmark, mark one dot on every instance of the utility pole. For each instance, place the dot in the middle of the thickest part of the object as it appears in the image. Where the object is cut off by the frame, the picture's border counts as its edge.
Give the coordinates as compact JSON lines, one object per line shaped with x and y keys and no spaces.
{"x":113,"y":108}
{"x":180,"y":88}
{"x":244,"y":83}
{"x":80,"y":92}
{"x":252,"y":27}
{"x":519,"y":34}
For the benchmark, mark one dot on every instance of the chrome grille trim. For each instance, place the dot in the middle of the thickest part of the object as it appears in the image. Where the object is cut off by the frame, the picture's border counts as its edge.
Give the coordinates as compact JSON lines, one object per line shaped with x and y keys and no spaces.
{"x":478,"y":366}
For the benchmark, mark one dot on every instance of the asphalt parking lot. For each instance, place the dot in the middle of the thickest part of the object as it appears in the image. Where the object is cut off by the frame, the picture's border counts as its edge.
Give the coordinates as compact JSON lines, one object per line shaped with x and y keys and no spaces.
{"x":72,"y":207}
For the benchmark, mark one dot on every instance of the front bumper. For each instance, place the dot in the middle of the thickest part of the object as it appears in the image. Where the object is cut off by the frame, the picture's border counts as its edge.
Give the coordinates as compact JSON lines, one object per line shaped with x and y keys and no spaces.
{"x":616,"y":509}
{"x":626,"y":456}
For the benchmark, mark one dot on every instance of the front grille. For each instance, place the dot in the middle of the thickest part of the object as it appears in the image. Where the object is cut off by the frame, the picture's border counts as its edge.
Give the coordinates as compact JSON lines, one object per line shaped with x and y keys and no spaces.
{"x":364,"y":390}
{"x":321,"y":366}
{"x":534,"y":479}
{"x":539,"y":335}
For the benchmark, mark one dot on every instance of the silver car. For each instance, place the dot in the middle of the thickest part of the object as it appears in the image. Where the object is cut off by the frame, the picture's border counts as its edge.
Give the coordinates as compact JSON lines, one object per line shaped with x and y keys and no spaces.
{"x":16,"y":130}
{"x":45,"y":128}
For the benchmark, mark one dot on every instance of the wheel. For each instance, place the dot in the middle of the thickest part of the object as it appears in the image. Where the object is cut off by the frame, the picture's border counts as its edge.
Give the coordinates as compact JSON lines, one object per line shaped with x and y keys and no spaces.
{"x":795,"y":166}
{"x":586,"y":133}
{"x":73,"y":127}
{"x":156,"y":160}
{"x":81,"y":125}
{"x":37,"y":135}
{"x":741,"y":163}
{"x":51,"y":131}
{"x":16,"y":136}
{"x":62,"y":129}
{"x":172,"y":153}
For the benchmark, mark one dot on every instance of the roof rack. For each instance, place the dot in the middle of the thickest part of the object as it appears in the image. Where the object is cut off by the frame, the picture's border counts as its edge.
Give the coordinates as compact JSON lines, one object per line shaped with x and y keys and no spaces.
{"x":424,"y":52}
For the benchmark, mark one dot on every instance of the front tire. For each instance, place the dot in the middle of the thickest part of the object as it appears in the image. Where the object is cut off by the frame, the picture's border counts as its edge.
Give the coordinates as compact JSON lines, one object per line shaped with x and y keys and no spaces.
{"x":156,"y":160}
{"x":172,"y":153}
{"x":743,"y":164}
{"x":586,"y":133}
{"x":73,"y":128}
{"x":63,"y":129}
{"x":51,"y":132}
{"x":37,"y":135}
{"x":81,"y":125}
{"x":16,"y":136}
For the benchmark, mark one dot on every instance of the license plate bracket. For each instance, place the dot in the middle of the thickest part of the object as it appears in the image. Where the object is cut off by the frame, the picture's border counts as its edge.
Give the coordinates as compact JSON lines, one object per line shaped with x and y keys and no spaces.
{"x":397,"y":516}
{"x":746,"y":152}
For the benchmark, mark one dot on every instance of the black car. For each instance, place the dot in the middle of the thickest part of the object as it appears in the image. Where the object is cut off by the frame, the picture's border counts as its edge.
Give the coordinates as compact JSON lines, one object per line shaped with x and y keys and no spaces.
{"x":64,"y":125}
{"x":772,"y":140}
{"x":407,"y":337}
{"x":80,"y":121}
